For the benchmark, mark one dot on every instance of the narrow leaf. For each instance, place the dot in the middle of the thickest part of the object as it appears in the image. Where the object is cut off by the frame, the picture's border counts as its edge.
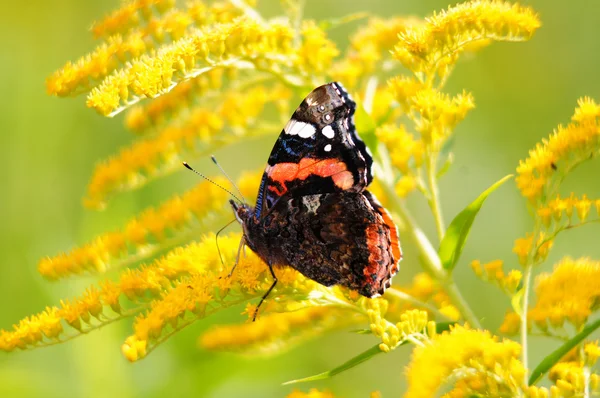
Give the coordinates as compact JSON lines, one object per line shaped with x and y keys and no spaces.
{"x":553,"y":358}
{"x":371,"y":352}
{"x":456,"y":235}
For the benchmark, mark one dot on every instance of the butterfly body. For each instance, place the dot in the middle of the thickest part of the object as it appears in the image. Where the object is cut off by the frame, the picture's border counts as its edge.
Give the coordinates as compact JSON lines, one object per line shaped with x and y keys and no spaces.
{"x":313,"y":211}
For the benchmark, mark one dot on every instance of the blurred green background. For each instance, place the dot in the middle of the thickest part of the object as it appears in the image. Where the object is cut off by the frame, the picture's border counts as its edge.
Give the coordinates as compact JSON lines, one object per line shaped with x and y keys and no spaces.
{"x":48,"y":148}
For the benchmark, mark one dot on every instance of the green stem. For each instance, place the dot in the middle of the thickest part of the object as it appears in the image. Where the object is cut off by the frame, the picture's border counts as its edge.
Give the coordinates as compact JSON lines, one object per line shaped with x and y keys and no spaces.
{"x":434,"y":200}
{"x":460,"y":302}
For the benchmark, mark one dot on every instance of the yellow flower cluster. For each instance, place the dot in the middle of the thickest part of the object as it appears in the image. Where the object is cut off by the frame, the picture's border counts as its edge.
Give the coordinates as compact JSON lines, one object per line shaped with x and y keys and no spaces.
{"x":147,"y":116}
{"x":275,"y":333}
{"x":524,"y":246}
{"x":435,"y":46}
{"x":558,"y":208}
{"x":200,"y":132}
{"x":369,"y":48}
{"x":439,"y":113}
{"x":571,"y":293}
{"x":413,"y":326}
{"x":492,"y":272}
{"x":406,"y":152}
{"x":89,"y":311}
{"x":208,"y":289}
{"x":426,"y":290}
{"x":153,"y":230}
{"x":313,"y":393}
{"x":122,"y":19}
{"x":570,"y":381}
{"x":128,"y":40}
{"x":477,"y":362}
{"x":539,"y":174}
{"x":232,"y":44}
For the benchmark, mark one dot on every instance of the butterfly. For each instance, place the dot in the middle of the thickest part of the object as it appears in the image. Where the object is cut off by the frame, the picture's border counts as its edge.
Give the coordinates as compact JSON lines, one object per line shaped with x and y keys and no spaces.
{"x":313,"y":210}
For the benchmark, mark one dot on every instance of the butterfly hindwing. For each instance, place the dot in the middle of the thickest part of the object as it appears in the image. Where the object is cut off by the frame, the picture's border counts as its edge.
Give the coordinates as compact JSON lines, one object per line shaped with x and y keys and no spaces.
{"x":318,"y":151}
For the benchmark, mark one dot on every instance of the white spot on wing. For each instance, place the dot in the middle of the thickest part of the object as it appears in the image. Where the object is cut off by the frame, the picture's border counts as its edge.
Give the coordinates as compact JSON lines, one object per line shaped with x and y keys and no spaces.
{"x":296,"y":127}
{"x":328,"y":132}
{"x":327,"y":148}
{"x":311,"y":202}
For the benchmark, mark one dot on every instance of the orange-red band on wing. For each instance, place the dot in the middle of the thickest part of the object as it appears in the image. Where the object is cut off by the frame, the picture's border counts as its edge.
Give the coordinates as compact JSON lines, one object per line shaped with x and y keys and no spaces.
{"x":334,"y":168}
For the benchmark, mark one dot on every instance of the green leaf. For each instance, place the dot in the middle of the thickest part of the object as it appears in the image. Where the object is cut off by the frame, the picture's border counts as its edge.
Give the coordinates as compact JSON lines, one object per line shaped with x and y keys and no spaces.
{"x":371,"y":352}
{"x":456,"y":235}
{"x":553,"y":358}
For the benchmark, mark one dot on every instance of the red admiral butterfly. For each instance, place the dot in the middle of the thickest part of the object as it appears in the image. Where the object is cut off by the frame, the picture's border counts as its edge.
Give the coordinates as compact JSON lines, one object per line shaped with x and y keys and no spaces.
{"x":313,"y":212}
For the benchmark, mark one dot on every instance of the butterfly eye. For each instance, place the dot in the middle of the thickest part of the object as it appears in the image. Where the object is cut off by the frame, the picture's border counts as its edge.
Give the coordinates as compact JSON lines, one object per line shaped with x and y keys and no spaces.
{"x":327,"y":118}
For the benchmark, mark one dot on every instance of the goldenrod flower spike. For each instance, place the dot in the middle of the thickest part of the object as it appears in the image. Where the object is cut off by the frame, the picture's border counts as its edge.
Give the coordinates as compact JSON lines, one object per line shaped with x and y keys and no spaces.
{"x":569,"y":294}
{"x":276,"y":333}
{"x":474,"y":360}
{"x":153,"y":230}
{"x":208,"y":289}
{"x":200,"y":132}
{"x":313,"y":393}
{"x":370,"y":48}
{"x":434,"y":47}
{"x":129,"y":40}
{"x":129,"y":15}
{"x":538,"y":176}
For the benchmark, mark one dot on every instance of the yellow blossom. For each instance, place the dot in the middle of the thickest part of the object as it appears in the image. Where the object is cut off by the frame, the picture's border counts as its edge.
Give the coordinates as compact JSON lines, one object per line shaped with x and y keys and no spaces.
{"x":465,"y":355}
{"x":523,"y":246}
{"x":405,"y":151}
{"x":564,"y":149}
{"x":511,"y":323}
{"x":435,"y":46}
{"x":274,"y":333}
{"x":200,"y":132}
{"x":313,"y":393}
{"x":143,"y":235}
{"x":508,"y":282}
{"x":570,"y":293}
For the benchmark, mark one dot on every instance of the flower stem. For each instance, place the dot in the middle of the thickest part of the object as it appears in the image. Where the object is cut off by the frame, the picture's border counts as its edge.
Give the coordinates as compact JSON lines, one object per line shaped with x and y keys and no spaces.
{"x":526,"y":287}
{"x":434,"y":200}
{"x":460,"y":302}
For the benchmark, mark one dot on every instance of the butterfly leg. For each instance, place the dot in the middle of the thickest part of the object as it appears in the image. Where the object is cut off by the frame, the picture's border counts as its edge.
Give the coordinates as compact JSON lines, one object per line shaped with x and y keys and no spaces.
{"x":267,"y":293}
{"x":237,"y":257}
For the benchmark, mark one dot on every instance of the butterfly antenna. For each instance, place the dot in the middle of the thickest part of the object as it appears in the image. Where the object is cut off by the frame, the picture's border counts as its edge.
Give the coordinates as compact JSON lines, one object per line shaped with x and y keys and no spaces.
{"x":211,"y":181}
{"x":227,"y":176}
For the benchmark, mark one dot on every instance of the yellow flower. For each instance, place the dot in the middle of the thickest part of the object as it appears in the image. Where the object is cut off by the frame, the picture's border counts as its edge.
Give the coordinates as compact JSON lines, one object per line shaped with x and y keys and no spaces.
{"x":523,"y":247}
{"x":570,"y":293}
{"x":474,"y":359}
{"x":313,"y":393}
{"x":435,"y":46}
{"x":561,"y":152}
{"x":495,"y":274}
{"x":512,"y":323}
{"x":569,"y":379}
{"x":200,"y":132}
{"x":405,"y":151}
{"x":143,"y":235}
{"x":273,"y":333}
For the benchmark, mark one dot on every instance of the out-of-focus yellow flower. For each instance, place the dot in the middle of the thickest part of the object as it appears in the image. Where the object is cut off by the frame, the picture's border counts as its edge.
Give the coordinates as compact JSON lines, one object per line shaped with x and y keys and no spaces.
{"x":313,"y":393}
{"x":570,"y":293}
{"x":492,"y":272}
{"x":200,"y":132}
{"x":512,"y":323}
{"x":523,"y":247}
{"x":128,"y":15}
{"x":592,"y":353}
{"x":369,"y":48}
{"x":405,"y":151}
{"x":274,"y":333}
{"x":435,"y":46}
{"x":476,"y":361}
{"x":144,"y":235}
{"x":557,"y":155}
{"x":439,"y":112}
{"x":569,"y":379}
